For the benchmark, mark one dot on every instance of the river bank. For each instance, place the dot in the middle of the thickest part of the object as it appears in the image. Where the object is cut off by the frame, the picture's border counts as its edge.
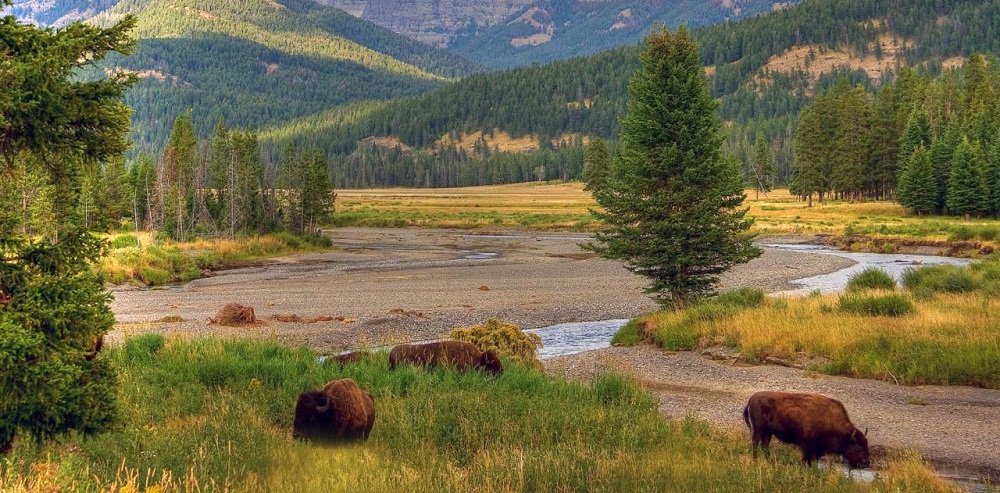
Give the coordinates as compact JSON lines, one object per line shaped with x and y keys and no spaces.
{"x":389,"y":285}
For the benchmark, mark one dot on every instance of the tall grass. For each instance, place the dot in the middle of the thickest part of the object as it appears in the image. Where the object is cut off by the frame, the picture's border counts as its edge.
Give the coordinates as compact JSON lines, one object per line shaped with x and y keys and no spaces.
{"x":947,"y":339}
{"x":215,"y":415}
{"x":141,"y":260}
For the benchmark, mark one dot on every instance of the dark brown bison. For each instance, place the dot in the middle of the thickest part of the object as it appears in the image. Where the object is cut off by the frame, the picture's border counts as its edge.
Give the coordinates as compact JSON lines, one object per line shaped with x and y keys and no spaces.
{"x":461,"y":355}
{"x":340,"y":411}
{"x":817,"y":424}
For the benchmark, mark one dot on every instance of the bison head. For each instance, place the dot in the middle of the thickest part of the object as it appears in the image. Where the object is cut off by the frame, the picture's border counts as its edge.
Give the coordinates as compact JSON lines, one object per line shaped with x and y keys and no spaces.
{"x":490,"y":362}
{"x":313,"y":415}
{"x":856,"y":452}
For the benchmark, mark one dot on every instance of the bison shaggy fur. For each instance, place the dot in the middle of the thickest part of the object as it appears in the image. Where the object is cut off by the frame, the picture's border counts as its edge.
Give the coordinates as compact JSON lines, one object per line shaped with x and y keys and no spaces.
{"x":340,"y":411}
{"x":461,"y":355}
{"x":817,"y":424}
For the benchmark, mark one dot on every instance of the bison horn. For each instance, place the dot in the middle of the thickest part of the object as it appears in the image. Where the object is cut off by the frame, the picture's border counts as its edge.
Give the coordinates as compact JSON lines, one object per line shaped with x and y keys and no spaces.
{"x":866,"y":431}
{"x":323,"y":404}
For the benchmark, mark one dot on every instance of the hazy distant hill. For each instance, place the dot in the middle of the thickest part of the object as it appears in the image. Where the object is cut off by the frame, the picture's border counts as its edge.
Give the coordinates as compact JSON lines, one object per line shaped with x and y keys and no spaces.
{"x":505,"y":33}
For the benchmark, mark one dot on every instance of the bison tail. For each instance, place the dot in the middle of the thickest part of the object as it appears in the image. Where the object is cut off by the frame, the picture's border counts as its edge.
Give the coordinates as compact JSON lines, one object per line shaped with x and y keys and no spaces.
{"x":746,"y":416}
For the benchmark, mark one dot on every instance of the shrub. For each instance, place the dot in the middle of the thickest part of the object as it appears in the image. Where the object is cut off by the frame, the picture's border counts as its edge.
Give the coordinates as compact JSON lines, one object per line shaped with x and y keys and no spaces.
{"x":925,"y":281}
{"x":886,"y":305}
{"x":742,"y":298}
{"x":871,"y":278}
{"x":124,"y":241}
{"x":505,"y":338}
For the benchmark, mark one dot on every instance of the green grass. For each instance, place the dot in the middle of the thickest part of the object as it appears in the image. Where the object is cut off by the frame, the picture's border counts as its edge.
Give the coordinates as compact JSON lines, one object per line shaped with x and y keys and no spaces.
{"x":144,"y":262}
{"x":877,"y":305}
{"x":213,"y":415}
{"x":871,"y":278}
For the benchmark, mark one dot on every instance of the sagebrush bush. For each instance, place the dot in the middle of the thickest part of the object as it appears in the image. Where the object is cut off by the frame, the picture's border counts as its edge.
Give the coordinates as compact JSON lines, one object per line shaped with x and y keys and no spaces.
{"x":924,"y":281}
{"x":505,"y":338}
{"x":877,"y":305}
{"x":871,"y":278}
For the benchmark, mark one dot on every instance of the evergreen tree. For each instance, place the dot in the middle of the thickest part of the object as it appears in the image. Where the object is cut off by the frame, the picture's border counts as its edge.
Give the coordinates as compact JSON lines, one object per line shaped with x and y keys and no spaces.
{"x":918,"y":183}
{"x":993,"y":177}
{"x":53,"y":307}
{"x":967,"y":194}
{"x":176,"y":187}
{"x":672,"y":205}
{"x":917,"y":134}
{"x":942,"y":152}
{"x":762,"y":170}
{"x":596,"y":164}
{"x":852,"y":114}
{"x":814,"y":152}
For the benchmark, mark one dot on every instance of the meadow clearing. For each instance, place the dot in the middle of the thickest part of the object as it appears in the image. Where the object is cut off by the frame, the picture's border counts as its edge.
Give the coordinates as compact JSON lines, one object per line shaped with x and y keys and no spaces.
{"x":215,"y":415}
{"x":565,"y":206}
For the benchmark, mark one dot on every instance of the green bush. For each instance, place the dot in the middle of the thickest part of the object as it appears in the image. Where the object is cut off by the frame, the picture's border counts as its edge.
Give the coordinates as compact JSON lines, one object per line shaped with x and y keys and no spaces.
{"x":124,"y":241}
{"x":925,"y":281}
{"x":887,"y":305}
{"x":871,"y":278}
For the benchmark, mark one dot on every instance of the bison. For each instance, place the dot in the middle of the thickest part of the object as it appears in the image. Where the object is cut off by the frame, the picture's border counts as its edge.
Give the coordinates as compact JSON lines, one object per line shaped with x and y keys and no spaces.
{"x":817,"y":424}
{"x":461,"y":355}
{"x":340,"y":411}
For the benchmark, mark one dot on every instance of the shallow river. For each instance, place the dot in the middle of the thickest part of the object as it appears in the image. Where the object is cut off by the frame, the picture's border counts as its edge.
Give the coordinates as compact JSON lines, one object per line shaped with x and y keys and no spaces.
{"x":570,"y":338}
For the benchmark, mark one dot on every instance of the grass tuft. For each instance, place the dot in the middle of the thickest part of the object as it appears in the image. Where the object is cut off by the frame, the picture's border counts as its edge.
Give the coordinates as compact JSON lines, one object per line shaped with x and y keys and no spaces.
{"x":877,"y":305}
{"x":871,"y":278}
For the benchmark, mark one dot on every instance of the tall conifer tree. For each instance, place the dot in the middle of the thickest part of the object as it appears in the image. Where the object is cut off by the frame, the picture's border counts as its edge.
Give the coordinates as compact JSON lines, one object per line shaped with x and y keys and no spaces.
{"x":673,"y":205}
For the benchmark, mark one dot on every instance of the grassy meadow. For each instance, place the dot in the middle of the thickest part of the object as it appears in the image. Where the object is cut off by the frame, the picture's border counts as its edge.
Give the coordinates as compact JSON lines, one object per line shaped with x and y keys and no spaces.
{"x":941,"y":328}
{"x":141,"y":259}
{"x":564,"y":206}
{"x":213,"y":415}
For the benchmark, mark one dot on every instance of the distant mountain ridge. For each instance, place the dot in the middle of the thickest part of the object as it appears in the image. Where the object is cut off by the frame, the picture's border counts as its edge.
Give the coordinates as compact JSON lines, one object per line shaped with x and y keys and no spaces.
{"x":507,"y":33}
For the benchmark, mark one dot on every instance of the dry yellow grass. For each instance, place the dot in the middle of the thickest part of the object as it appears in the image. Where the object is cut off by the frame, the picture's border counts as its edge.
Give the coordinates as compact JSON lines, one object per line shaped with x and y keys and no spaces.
{"x":950,"y":339}
{"x":547,"y":206}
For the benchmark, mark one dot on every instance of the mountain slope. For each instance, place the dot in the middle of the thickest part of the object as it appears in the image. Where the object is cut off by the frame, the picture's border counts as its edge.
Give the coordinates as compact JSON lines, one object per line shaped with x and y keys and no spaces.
{"x":258,"y":62}
{"x":58,"y":12}
{"x":762,"y":69}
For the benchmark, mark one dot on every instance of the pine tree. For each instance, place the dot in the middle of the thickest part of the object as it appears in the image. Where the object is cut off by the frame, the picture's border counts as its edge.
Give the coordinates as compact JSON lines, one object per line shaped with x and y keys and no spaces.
{"x":852,"y":112}
{"x":967,"y":194}
{"x":942,"y":151}
{"x":175,"y":187}
{"x":672,"y":205}
{"x":993,"y":177}
{"x":918,"y":183}
{"x":596,"y":165}
{"x":762,"y":170}
{"x":53,"y":306}
{"x":918,"y":133}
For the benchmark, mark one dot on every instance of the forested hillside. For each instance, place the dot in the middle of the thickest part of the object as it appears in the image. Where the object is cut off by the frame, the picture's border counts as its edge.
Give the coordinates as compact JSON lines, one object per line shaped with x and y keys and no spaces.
{"x":58,"y":12}
{"x":763,"y":70}
{"x":257,"y":62}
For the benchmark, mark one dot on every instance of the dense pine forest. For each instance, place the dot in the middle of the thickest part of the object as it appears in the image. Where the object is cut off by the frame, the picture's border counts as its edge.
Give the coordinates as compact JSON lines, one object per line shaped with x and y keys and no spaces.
{"x":931,"y":143}
{"x":587,"y":95}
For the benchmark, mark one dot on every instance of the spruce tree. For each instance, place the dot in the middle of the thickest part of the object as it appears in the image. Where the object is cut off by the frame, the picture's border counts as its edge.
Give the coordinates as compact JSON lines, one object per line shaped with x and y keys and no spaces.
{"x":672,"y":206}
{"x":967,"y":194}
{"x":762,"y":170}
{"x":993,"y":177}
{"x":53,"y":307}
{"x":918,"y":183}
{"x":596,"y":164}
{"x":918,"y":133}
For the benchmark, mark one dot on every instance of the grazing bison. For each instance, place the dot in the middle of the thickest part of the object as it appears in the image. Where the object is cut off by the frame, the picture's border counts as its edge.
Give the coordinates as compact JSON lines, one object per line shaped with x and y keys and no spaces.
{"x":340,"y":411}
{"x":98,"y":344}
{"x":817,"y":424}
{"x":463,"y":356}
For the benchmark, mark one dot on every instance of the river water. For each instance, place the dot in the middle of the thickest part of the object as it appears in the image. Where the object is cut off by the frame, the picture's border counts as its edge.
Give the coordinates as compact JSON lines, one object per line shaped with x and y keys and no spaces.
{"x":570,"y":338}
